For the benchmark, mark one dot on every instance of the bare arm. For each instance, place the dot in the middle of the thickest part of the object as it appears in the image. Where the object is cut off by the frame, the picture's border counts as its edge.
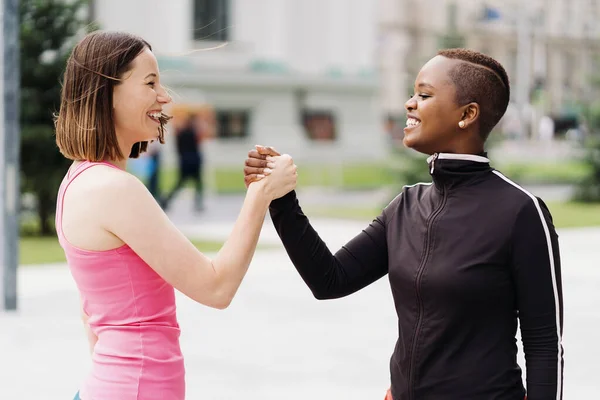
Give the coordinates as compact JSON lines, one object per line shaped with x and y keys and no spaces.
{"x":136,"y":218}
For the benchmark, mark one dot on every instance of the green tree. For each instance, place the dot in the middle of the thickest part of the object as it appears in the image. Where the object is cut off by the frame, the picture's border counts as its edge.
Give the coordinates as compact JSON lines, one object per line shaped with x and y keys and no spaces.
{"x":588,"y":189}
{"x":48,"y":28}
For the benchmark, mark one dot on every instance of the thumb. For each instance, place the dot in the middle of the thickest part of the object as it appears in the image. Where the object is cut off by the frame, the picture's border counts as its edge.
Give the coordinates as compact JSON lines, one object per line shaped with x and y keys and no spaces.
{"x":269,"y":151}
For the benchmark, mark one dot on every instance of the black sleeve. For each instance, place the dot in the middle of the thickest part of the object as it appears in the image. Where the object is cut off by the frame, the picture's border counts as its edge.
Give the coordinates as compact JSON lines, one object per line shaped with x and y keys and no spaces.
{"x":536,"y":268}
{"x":360,"y":262}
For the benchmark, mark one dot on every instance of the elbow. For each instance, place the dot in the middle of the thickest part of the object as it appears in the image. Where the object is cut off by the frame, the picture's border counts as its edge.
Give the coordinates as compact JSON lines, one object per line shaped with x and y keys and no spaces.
{"x":321,"y":294}
{"x":220,"y":294}
{"x":218,"y":299}
{"x":223,"y":303}
{"x":221,"y":299}
{"x":219,"y":304}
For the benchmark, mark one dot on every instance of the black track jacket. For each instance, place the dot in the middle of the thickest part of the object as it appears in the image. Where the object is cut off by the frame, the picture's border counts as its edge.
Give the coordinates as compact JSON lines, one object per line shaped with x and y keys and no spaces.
{"x":466,"y":255}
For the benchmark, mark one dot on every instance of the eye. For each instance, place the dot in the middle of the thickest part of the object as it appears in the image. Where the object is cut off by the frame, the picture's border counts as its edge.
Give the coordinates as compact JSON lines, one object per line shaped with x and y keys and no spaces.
{"x":151,"y":84}
{"x":421,"y":95}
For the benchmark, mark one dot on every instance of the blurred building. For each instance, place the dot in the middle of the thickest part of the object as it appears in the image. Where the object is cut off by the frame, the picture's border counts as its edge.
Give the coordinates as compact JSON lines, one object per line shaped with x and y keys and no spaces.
{"x":297,"y":75}
{"x":550,"y":48}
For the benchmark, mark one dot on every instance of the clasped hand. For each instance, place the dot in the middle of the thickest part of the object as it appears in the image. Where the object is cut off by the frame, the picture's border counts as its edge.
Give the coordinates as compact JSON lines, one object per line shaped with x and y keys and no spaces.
{"x":277,"y":172}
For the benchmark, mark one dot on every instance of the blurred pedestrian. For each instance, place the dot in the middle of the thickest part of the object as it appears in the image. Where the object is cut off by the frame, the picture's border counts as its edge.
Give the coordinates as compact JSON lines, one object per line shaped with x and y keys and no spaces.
{"x":188,"y":140}
{"x":154,"y":149}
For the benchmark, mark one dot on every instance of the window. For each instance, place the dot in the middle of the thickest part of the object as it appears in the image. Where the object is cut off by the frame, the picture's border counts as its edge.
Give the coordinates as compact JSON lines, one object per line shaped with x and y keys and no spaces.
{"x":233,"y":124}
{"x":319,"y":125}
{"x":211,"y":20}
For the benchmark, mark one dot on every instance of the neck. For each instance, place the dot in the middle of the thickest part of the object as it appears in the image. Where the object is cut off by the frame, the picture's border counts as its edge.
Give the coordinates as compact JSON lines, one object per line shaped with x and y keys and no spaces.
{"x":467,"y":148}
{"x":467,"y":143}
{"x":125,"y":151}
{"x":122,"y":164}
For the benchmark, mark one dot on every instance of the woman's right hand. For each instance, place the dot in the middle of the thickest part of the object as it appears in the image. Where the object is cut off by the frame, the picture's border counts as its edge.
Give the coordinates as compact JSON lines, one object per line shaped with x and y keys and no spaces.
{"x":280,"y":176}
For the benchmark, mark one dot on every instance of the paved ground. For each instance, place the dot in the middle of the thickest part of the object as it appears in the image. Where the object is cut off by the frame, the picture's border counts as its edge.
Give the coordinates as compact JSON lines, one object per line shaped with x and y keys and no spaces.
{"x":275,"y":341}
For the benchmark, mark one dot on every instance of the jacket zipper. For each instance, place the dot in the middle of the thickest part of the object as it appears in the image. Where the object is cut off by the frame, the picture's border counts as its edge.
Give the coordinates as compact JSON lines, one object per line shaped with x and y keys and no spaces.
{"x":417,"y":287}
{"x":433,"y":158}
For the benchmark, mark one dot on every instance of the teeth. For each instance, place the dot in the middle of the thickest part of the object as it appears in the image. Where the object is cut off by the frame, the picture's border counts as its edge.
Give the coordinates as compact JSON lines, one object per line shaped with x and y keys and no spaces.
{"x":412,"y":122}
{"x":154,"y":115}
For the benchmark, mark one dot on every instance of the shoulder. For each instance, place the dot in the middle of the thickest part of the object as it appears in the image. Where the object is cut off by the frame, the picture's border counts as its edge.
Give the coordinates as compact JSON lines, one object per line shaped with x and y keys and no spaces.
{"x":409,"y":191}
{"x":527,"y":205}
{"x":106,"y":184}
{"x":512,"y":190}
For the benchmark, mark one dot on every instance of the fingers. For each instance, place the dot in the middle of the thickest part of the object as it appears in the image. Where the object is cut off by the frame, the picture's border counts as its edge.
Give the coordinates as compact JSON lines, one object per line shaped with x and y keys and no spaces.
{"x":254,"y":154}
{"x":263,"y":150}
{"x":256,"y":171}
{"x":256,"y":163}
{"x":284,"y":159}
{"x":248,"y":179}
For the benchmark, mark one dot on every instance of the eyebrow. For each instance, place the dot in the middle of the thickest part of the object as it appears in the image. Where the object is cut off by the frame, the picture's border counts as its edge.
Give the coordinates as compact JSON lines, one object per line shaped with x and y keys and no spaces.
{"x":425,"y":85}
{"x":152,"y":74}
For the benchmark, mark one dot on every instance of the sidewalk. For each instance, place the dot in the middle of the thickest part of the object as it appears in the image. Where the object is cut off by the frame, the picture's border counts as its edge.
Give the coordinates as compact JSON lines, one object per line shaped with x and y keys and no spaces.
{"x":275,"y":340}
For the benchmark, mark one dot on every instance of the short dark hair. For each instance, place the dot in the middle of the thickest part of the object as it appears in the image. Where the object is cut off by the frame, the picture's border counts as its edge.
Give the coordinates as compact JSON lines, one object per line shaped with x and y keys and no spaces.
{"x":85,"y":127}
{"x":482,"y":80}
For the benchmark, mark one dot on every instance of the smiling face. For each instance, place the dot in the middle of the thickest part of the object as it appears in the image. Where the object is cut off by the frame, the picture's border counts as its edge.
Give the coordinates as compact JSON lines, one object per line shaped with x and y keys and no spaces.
{"x":138,"y":101}
{"x":432,"y":112}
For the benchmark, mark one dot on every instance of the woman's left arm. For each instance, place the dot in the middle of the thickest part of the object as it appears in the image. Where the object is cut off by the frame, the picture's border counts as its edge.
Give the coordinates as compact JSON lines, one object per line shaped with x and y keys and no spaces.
{"x":536,"y":269}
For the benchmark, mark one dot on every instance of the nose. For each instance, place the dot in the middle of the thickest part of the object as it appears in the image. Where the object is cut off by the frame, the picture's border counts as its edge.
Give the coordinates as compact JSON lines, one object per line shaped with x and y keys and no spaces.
{"x":410,"y":104}
{"x":162,"y":96}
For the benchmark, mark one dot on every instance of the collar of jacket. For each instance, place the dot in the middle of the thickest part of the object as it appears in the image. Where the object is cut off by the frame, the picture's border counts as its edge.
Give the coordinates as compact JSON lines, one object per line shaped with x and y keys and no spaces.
{"x":449,"y":170}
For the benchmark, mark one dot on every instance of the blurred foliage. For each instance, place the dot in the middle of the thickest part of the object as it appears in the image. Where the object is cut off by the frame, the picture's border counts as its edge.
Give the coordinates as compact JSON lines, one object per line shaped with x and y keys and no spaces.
{"x":544,"y":172}
{"x":564,"y":214}
{"x":589,"y":188}
{"x":46,"y":250}
{"x":359,"y":176}
{"x":47,"y":32}
{"x":409,"y":167}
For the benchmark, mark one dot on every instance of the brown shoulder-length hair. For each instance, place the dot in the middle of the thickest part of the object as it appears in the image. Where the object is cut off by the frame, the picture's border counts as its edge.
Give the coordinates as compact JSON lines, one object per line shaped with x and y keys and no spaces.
{"x":85,"y":126}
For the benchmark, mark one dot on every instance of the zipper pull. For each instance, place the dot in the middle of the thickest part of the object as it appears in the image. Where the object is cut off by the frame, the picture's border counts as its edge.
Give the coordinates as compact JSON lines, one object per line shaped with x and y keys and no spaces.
{"x":435,"y":156}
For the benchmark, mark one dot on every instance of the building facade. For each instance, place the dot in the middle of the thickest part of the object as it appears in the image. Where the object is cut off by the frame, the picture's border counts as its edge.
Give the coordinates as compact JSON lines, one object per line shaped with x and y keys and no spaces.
{"x":297,"y":75}
{"x":550,"y":48}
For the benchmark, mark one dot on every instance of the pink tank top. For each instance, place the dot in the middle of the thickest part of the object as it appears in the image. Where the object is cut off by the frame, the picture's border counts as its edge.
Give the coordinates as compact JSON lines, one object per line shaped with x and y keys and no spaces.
{"x":131,"y":310}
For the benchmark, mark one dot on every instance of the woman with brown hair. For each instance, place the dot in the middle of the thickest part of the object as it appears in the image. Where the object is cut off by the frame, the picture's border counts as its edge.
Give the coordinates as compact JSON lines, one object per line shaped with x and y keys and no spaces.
{"x":125,"y":255}
{"x":468,"y":256}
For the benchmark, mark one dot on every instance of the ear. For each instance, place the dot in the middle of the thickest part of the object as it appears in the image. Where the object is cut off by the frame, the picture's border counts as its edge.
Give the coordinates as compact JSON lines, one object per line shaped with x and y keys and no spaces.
{"x":470,"y":115}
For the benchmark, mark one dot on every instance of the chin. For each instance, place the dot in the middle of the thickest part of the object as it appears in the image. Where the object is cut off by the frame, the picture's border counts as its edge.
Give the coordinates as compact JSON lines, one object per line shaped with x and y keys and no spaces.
{"x":410,"y":142}
{"x":416,"y":146}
